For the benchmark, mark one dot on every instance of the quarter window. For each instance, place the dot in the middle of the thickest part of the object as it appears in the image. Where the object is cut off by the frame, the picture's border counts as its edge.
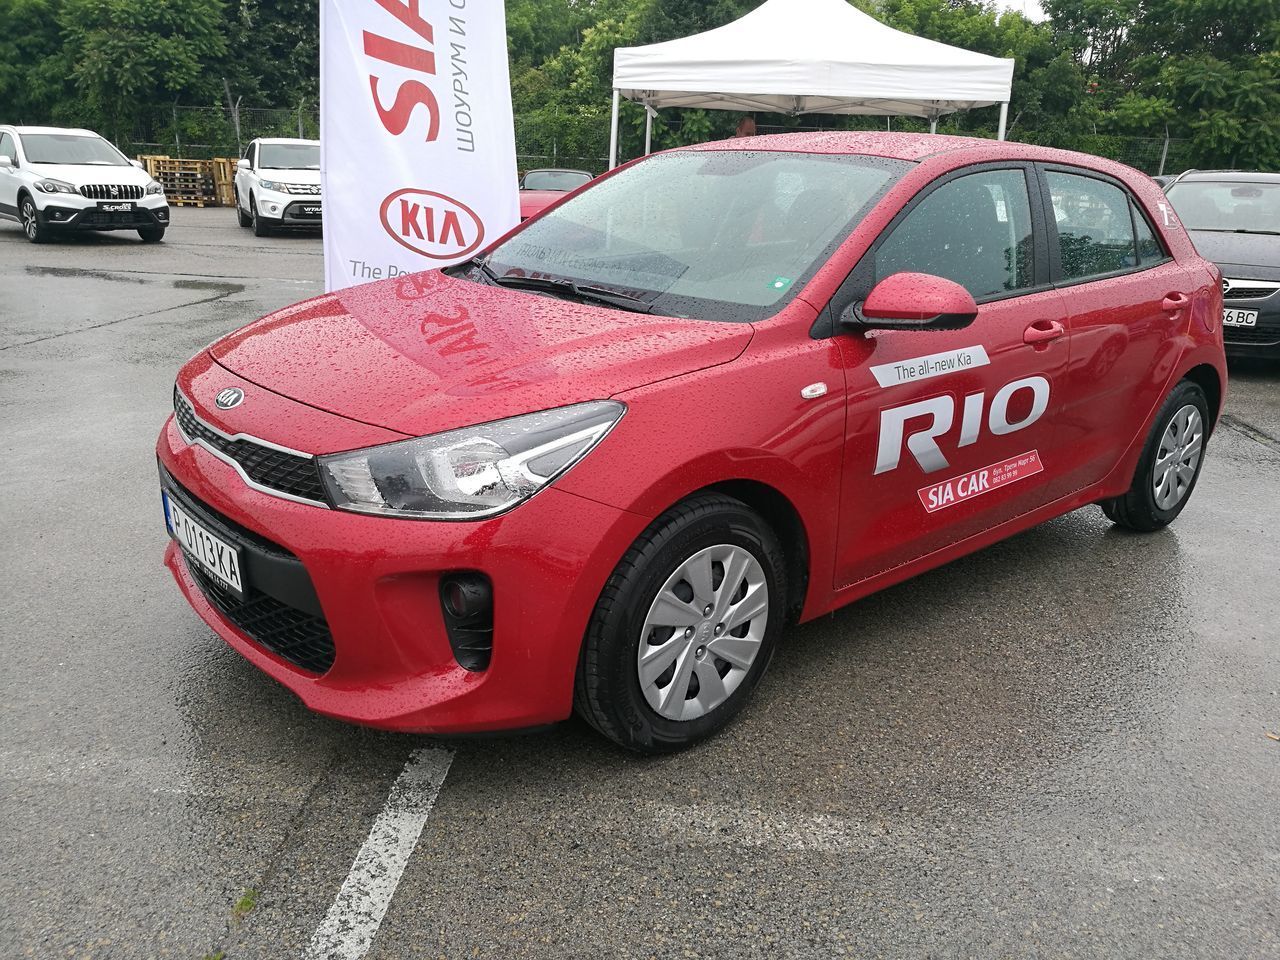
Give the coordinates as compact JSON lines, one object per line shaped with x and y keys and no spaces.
{"x":1095,"y":227}
{"x":975,"y":230}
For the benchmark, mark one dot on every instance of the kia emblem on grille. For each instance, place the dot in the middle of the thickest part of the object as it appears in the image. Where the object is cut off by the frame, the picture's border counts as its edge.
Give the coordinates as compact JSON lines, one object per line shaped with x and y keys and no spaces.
{"x":230,"y":397}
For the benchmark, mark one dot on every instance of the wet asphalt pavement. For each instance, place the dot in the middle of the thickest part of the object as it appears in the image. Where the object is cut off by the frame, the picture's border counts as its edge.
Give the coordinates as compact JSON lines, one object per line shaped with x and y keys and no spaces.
{"x":1057,"y":747}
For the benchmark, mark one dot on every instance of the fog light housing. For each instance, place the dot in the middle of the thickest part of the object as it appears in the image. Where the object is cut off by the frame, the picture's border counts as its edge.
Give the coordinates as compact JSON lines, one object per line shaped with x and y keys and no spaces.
{"x":466,"y":599}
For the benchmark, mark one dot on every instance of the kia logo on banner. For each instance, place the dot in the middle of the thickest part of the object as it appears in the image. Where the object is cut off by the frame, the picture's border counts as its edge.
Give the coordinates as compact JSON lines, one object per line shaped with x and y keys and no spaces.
{"x":417,"y":141}
{"x":432,"y":225}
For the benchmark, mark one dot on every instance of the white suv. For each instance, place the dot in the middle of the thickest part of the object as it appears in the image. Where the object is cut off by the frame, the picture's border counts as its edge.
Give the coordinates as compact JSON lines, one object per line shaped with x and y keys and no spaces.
{"x":53,"y":180}
{"x":278,"y":185}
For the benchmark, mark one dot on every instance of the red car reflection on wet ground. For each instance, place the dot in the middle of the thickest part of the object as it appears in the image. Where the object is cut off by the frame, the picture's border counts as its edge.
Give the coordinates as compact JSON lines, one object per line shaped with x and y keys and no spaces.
{"x":604,"y":464}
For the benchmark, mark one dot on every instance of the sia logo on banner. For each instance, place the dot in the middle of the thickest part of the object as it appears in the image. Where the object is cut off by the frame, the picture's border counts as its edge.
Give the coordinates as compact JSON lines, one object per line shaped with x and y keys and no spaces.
{"x":431,"y":224}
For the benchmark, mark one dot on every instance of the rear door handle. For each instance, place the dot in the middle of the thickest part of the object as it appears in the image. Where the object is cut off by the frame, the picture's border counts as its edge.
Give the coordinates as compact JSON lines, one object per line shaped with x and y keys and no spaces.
{"x":1175,"y":302}
{"x":1042,"y":331}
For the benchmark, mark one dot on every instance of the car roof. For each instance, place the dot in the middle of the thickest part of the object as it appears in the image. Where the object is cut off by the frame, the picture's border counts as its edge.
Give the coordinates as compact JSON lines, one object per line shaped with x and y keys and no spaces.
{"x":287,"y":140}
{"x":1229,"y":176}
{"x":74,"y":131}
{"x":586,"y":173}
{"x":913,"y":147}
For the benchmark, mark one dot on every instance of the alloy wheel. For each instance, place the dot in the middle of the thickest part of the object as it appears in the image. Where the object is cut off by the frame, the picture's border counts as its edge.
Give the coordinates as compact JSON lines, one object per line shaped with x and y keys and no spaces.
{"x":703,"y":632}
{"x":1178,"y":457}
{"x":30,"y":225}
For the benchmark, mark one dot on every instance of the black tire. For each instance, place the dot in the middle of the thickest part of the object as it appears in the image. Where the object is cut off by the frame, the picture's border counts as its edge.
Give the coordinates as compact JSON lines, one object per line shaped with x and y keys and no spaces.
{"x":151,"y":234}
{"x":260,"y":227}
{"x":1137,"y":509}
{"x":245,"y":219}
{"x":32,"y":225}
{"x":607,"y":691}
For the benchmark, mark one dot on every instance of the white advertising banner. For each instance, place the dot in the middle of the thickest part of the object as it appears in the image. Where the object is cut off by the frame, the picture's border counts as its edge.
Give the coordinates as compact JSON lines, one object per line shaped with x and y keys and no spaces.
{"x":417,"y":140}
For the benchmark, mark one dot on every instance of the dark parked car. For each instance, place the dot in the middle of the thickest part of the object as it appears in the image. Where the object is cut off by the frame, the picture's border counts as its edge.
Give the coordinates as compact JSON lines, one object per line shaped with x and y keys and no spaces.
{"x":1234,"y":220}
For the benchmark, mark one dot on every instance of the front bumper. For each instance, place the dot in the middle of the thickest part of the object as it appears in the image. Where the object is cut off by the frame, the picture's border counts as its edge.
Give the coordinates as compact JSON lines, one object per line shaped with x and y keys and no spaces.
{"x":70,"y":212}
{"x":376,"y":582}
{"x":289,"y":210}
{"x":1262,"y":340}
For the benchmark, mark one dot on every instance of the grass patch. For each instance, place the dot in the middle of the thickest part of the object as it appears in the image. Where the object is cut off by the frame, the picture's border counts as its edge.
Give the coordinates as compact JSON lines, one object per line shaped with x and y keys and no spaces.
{"x":244,"y":906}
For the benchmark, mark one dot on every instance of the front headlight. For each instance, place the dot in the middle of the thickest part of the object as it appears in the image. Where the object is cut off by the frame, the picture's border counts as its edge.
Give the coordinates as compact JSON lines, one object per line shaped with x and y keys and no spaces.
{"x":470,"y":473}
{"x":154,"y":188}
{"x":273,"y":185}
{"x":55,"y":186}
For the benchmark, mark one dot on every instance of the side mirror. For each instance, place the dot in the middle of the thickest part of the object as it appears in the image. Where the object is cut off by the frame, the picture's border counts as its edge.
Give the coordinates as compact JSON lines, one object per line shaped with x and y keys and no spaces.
{"x":6,"y":163}
{"x":913,"y":301}
{"x":138,"y":164}
{"x":243,"y":164}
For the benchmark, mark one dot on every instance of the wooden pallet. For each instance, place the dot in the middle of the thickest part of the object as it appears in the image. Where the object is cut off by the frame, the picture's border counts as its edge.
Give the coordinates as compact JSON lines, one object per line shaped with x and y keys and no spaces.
{"x":191,"y":183}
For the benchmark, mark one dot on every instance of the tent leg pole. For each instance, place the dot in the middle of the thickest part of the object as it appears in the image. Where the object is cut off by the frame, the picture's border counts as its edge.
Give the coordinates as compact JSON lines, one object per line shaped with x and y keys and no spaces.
{"x":933,"y":125}
{"x":613,"y":133}
{"x":648,"y":130}
{"x":1004,"y":119}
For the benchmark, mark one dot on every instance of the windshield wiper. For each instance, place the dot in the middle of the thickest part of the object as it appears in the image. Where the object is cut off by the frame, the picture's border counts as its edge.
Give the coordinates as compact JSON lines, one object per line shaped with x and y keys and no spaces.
{"x":573,"y":289}
{"x":1268,"y":233}
{"x":562,"y":286}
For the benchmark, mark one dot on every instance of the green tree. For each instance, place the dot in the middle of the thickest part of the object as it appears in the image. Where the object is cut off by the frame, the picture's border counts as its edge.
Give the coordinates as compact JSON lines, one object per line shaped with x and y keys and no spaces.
{"x":33,"y":67}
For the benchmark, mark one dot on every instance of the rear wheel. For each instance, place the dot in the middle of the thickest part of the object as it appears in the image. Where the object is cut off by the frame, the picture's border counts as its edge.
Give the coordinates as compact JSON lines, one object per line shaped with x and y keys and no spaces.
{"x":1170,"y":463}
{"x":685,"y":627}
{"x":32,"y":225}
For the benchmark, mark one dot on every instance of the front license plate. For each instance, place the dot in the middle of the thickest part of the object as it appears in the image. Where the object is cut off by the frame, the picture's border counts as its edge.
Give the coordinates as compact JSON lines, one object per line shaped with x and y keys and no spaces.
{"x":213,"y":555}
{"x":122,"y":207}
{"x":312,"y":211}
{"x":1232,"y":317}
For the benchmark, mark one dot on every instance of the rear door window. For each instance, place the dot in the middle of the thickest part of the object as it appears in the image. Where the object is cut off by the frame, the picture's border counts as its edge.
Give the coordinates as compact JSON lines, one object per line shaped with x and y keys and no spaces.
{"x":975,"y":230}
{"x":1095,"y":227}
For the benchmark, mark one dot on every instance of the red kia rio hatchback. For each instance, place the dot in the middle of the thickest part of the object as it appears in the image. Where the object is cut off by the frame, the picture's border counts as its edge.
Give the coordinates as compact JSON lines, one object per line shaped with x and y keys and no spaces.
{"x":602,"y":466}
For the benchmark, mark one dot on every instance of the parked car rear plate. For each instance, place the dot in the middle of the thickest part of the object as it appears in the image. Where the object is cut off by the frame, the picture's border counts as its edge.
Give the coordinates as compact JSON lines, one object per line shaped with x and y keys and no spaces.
{"x":1232,"y":317}
{"x":217,"y":558}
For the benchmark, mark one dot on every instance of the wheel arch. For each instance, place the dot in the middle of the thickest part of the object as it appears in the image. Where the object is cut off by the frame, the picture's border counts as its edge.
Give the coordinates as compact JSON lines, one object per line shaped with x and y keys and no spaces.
{"x":1207,"y":378}
{"x":784,"y":519}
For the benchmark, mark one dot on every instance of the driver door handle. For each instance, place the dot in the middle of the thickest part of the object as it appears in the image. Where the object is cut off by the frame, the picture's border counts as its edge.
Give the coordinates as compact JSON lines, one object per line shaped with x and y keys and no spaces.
{"x":1043,"y":331}
{"x":1175,"y":302}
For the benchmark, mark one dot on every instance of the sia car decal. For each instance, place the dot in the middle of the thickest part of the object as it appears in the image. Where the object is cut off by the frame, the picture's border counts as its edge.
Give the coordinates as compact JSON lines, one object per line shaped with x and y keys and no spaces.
{"x":934,"y":365}
{"x":941,"y":412}
{"x":977,"y":482}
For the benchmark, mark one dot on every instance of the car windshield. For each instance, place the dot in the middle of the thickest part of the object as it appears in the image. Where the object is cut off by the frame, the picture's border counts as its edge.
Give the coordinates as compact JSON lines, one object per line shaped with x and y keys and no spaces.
{"x":71,"y":148}
{"x":1228,"y":206}
{"x":715,"y":235}
{"x":289,"y":156}
{"x":561,"y":180}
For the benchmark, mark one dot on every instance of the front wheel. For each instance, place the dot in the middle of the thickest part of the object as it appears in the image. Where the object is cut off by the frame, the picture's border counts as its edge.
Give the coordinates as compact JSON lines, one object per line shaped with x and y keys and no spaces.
{"x":1170,"y":463}
{"x":151,"y":234}
{"x":685,"y":627}
{"x":32,"y":225}
{"x":245,"y":219}
{"x":260,"y":227}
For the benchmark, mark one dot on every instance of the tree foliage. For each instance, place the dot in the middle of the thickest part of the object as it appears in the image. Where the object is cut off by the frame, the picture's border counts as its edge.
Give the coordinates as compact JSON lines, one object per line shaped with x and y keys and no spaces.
{"x":1207,"y":71}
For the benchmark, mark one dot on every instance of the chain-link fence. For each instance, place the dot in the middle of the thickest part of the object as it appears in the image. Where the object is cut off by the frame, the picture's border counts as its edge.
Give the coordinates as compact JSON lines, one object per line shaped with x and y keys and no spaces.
{"x":201,"y":133}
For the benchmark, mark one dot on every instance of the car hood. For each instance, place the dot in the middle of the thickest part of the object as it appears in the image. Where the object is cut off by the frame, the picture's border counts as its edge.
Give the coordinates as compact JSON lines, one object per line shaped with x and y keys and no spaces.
{"x":79,"y":174}
{"x":426,"y":353}
{"x":310,"y":178}
{"x":1251,"y":256}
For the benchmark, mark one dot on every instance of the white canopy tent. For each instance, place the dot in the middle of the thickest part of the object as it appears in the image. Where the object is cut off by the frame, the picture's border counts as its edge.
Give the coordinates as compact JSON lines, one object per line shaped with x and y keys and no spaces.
{"x":808,"y":56}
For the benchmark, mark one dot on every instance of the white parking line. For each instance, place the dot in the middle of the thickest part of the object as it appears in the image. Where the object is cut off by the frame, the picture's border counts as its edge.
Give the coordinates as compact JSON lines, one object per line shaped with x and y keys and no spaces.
{"x":349,"y":927}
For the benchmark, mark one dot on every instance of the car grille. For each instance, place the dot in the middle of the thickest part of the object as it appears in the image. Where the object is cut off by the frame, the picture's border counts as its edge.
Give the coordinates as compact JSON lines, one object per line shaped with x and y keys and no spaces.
{"x":1250,"y":335}
{"x":276,"y":470}
{"x":301,"y":189}
{"x":101,"y":218}
{"x":289,"y":633}
{"x":117,"y":191}
{"x":1241,"y":290}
